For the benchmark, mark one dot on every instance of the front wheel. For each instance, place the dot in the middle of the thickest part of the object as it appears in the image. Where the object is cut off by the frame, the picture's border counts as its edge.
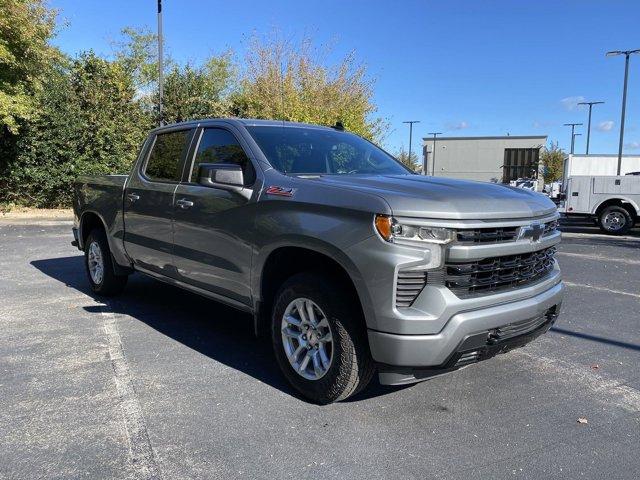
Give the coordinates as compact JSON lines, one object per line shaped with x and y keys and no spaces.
{"x":319,"y":339}
{"x":615,"y":220}
{"x":97,"y":259}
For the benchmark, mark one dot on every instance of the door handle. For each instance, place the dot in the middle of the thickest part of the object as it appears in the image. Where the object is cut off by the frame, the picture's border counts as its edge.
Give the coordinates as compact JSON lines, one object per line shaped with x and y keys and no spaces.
{"x":184,"y":203}
{"x":133,"y":197}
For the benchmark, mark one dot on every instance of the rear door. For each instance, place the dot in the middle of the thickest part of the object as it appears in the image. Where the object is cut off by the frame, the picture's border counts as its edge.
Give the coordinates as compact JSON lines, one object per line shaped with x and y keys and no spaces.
{"x":148,"y":202}
{"x":212,"y":226}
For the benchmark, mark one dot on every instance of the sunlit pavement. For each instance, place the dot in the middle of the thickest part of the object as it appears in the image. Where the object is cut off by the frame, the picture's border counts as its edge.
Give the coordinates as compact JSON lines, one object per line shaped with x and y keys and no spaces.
{"x":160,"y":383}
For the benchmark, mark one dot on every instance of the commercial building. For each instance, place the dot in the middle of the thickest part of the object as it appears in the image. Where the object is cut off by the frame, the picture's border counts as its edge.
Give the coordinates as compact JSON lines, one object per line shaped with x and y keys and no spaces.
{"x":488,"y":159}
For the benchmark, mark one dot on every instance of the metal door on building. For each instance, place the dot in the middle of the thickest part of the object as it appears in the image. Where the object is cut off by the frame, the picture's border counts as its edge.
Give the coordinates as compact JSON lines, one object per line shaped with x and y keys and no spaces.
{"x":520,"y":163}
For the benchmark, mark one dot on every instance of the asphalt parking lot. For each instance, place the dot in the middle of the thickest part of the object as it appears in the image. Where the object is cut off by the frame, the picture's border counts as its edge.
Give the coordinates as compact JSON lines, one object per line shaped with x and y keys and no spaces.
{"x":160,"y":383}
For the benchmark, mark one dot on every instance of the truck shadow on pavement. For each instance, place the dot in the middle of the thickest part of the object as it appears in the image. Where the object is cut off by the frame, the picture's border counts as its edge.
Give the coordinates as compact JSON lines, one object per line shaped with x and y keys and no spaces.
{"x":211,"y":328}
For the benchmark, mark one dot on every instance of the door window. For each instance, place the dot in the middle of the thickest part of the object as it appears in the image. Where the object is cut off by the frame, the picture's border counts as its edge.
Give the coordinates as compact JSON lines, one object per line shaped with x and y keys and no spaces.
{"x":165,"y":159}
{"x":220,"y":146}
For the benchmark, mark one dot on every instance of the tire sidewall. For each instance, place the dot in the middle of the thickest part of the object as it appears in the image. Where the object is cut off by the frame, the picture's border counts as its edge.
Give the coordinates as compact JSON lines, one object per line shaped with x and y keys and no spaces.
{"x":627,"y":216}
{"x":331,"y":385}
{"x":95,"y":237}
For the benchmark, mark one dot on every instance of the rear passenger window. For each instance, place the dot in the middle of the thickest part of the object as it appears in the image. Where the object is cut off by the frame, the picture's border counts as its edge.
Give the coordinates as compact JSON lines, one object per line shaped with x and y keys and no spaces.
{"x":165,"y":159}
{"x":220,"y":146}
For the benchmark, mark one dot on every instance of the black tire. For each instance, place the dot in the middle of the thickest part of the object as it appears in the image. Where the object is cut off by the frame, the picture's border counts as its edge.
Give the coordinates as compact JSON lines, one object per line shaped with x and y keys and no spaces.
{"x":110,"y":284}
{"x":351,"y":366}
{"x":622,"y":225}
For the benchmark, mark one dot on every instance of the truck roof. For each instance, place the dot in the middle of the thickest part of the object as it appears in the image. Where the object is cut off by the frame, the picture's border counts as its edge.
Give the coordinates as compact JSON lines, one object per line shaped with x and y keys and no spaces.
{"x":247,"y":122}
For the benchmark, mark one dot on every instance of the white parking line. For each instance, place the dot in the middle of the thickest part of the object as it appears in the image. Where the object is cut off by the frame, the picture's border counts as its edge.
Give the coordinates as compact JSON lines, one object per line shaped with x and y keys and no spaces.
{"x":143,"y":459}
{"x":602,"y":289}
{"x":600,"y":258}
{"x":598,"y":235}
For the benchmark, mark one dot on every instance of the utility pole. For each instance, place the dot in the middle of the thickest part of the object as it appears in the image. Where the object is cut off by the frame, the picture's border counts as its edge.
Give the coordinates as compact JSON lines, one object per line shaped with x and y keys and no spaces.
{"x":627,"y":54}
{"x":591,"y":104}
{"x":573,"y":127}
{"x":433,"y":160}
{"x":411,"y":122}
{"x":160,"y":67}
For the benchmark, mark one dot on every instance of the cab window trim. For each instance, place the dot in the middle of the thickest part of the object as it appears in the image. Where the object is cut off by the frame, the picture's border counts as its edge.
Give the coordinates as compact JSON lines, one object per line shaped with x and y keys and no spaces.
{"x":183,"y":156}
{"x":196,"y":145}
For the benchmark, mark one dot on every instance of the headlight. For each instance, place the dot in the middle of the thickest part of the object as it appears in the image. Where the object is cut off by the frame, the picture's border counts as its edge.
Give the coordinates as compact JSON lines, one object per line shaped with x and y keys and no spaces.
{"x":393,"y":231}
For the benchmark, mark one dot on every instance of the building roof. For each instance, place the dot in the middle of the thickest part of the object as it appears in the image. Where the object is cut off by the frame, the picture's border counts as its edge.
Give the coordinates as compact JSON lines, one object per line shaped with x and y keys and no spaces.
{"x":503,"y":137}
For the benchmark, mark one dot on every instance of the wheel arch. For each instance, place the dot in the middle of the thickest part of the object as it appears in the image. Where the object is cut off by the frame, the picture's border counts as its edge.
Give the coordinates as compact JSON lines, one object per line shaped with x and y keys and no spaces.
{"x":284,"y":259}
{"x":623,"y":202}
{"x":89,"y":220}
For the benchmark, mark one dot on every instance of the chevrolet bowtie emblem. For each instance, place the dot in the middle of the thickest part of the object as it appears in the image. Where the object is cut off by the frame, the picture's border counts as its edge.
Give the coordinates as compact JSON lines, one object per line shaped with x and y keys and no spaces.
{"x":532,"y":232}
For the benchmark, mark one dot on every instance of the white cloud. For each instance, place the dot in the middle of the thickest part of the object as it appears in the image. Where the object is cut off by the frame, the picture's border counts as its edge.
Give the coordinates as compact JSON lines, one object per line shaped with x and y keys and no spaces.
{"x":571,"y":103}
{"x":605,"y":126}
{"x":458,"y":126}
{"x":632,"y":145}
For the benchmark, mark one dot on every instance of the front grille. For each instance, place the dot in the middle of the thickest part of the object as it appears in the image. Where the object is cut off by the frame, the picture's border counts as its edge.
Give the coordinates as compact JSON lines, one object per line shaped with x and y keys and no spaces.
{"x":488,"y":235}
{"x":498,"y":234}
{"x":489,"y":275}
{"x":409,"y":284}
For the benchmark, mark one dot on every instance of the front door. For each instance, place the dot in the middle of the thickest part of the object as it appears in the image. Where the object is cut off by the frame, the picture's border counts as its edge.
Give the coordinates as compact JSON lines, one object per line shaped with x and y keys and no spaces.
{"x":212,"y":226}
{"x":148,"y":203}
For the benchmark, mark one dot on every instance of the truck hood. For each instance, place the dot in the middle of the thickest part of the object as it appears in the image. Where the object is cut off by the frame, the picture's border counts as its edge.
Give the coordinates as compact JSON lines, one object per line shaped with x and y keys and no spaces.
{"x":446,"y":198}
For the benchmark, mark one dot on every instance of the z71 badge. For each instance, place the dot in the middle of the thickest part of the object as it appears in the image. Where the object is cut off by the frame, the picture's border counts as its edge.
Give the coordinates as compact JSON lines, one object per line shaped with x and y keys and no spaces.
{"x":281,"y":191}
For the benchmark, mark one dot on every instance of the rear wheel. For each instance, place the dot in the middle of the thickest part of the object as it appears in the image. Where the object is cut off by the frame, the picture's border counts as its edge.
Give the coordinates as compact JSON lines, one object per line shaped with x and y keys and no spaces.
{"x":615,"y":220}
{"x":319,"y":339}
{"x":97,"y":258}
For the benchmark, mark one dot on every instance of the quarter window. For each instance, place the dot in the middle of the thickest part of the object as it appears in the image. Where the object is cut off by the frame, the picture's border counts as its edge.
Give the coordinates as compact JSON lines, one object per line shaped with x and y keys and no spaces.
{"x":165,"y":159}
{"x":220,"y":146}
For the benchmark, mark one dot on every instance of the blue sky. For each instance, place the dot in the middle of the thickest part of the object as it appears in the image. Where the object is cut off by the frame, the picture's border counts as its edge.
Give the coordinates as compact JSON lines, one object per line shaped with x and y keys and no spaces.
{"x":464,"y":68}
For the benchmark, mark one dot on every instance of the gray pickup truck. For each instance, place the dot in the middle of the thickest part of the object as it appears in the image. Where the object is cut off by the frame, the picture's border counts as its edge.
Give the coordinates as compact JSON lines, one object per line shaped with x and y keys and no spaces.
{"x":350,"y":263}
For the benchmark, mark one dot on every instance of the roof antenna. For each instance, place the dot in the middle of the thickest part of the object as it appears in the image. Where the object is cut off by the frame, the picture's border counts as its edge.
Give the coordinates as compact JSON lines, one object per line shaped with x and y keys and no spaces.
{"x":338,"y":126}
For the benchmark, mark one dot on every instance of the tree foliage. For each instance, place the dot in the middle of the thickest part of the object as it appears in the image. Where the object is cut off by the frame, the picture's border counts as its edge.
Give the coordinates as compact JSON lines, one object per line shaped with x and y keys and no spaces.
{"x":26,"y":26}
{"x":281,"y":81}
{"x":193,"y":92}
{"x":88,"y":123}
{"x":552,"y":159}
{"x":411,"y":161}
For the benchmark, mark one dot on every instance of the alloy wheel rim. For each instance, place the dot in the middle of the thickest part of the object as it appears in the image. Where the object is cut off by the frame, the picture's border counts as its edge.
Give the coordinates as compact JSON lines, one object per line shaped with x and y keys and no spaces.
{"x":614,"y":221}
{"x":307,"y":339}
{"x":96,"y":263}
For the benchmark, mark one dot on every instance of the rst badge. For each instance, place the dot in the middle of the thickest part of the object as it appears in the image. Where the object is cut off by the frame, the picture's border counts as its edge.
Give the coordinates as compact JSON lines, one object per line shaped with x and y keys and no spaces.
{"x":533,"y":232}
{"x":280,"y":191}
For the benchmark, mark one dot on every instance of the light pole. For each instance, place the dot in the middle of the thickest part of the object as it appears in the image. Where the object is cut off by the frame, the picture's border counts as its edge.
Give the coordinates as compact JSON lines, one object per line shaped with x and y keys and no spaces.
{"x":433,"y":160}
{"x":573,"y":127}
{"x":591,"y":104}
{"x":627,"y":54}
{"x":573,"y":139}
{"x":411,"y":122}
{"x":160,"y":72}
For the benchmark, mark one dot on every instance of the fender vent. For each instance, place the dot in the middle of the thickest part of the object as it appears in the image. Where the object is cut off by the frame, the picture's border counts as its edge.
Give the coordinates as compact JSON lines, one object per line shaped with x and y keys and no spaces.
{"x":409,"y":284}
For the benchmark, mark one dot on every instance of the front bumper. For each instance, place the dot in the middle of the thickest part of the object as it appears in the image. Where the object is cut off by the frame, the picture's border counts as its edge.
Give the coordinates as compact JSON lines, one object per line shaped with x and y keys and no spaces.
{"x":410,"y":358}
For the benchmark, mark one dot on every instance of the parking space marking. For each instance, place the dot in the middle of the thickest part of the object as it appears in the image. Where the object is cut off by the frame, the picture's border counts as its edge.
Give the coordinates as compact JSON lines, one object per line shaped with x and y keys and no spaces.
{"x":143,"y":459}
{"x":602,"y":289}
{"x":599,"y":258}
{"x":606,"y":390}
{"x":598,"y":235}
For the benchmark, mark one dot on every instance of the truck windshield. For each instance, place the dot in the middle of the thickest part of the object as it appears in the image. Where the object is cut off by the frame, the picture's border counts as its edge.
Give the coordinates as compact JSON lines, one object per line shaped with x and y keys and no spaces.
{"x":304,"y":150}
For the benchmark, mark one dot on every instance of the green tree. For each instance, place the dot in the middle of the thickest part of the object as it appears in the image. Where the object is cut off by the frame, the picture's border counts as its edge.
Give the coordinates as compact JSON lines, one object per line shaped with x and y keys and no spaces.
{"x":192,"y":92}
{"x":410,"y":161}
{"x":89,"y":122}
{"x":26,"y":26}
{"x":282,"y":81}
{"x":552,"y":159}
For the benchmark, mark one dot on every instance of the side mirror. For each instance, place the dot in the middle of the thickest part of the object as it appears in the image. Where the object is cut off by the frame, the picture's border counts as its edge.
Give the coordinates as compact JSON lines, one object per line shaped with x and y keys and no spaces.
{"x":227,"y":176}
